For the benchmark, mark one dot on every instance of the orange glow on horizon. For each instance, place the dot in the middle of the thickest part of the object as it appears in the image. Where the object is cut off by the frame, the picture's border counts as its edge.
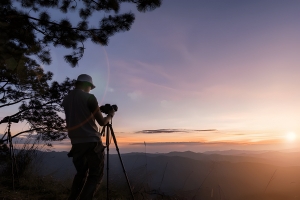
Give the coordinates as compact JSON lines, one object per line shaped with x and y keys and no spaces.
{"x":132,"y":138}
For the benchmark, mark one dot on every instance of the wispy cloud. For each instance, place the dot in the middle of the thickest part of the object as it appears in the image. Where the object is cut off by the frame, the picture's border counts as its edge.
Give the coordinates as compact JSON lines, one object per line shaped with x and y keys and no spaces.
{"x":190,"y":143}
{"x":155,"y":131}
{"x":204,"y":130}
{"x":110,"y":89}
{"x":167,"y":143}
{"x":136,"y":95}
{"x":140,"y":76}
{"x":223,"y":143}
{"x":161,"y":131}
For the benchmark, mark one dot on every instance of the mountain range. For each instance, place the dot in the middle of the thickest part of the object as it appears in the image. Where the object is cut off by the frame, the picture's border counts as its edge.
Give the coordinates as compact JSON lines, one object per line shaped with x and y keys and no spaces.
{"x":210,"y":175}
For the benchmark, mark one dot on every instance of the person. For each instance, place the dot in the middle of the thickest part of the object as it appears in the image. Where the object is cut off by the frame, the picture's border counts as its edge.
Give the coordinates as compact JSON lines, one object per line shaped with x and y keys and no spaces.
{"x":82,"y":110}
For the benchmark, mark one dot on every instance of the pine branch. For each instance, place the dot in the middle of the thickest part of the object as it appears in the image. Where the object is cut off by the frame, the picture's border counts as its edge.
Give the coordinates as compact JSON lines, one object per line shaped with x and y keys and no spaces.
{"x":9,"y":104}
{"x":38,"y":30}
{"x":42,"y":32}
{"x":36,"y":107}
{"x":56,"y":24}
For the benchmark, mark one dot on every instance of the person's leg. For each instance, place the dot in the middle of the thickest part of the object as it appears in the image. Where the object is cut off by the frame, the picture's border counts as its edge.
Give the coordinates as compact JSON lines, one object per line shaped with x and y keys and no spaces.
{"x":81,"y":165}
{"x":95,"y":162}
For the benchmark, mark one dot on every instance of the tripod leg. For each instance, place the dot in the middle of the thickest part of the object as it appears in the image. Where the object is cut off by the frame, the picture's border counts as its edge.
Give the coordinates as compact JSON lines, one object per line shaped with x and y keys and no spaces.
{"x":14,"y":169}
{"x":107,"y":162}
{"x":117,"y":148}
{"x":12,"y":165}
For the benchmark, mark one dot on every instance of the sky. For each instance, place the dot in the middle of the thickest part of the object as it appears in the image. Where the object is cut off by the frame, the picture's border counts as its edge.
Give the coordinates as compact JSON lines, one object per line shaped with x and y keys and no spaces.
{"x":199,"y":75}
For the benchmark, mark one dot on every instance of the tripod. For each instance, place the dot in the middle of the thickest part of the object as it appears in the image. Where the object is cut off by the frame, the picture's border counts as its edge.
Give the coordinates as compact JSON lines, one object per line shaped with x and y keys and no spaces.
{"x":14,"y":168}
{"x":109,"y":130}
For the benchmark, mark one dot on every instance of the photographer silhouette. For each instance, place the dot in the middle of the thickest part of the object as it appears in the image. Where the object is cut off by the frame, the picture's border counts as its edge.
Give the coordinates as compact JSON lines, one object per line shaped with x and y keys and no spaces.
{"x":82,"y":110}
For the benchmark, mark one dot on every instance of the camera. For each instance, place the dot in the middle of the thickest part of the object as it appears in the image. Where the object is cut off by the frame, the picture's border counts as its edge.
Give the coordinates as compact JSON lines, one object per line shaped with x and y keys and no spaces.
{"x":107,"y":107}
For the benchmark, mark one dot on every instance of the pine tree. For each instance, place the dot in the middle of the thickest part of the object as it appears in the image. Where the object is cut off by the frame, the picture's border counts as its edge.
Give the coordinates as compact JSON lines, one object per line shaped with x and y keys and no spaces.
{"x":21,"y":33}
{"x":37,"y":98}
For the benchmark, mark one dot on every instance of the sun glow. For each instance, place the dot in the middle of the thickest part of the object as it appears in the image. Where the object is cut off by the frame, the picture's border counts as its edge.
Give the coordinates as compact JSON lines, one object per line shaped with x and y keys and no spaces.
{"x":291,"y":136}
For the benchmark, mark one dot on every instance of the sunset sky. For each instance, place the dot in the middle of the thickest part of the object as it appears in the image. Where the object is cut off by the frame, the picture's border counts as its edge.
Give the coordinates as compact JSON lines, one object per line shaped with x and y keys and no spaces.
{"x":200,"y":76}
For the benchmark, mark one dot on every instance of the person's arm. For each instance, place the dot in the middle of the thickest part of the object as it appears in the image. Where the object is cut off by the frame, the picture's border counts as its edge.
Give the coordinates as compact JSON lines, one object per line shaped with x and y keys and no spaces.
{"x":102,"y":120}
{"x":94,"y":108}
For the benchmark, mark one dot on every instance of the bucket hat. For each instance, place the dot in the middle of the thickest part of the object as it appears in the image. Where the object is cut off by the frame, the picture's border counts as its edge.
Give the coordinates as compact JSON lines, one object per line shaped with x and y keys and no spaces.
{"x":86,"y":78}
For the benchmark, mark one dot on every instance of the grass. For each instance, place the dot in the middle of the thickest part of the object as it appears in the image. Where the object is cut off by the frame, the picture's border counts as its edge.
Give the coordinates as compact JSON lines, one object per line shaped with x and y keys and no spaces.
{"x":32,"y":186}
{"x":47,"y":188}
{"x":28,"y":184}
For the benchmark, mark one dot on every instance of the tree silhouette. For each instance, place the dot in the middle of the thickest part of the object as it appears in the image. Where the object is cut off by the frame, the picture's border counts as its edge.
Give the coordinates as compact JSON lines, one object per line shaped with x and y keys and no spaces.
{"x":26,"y":28}
{"x":35,"y":99}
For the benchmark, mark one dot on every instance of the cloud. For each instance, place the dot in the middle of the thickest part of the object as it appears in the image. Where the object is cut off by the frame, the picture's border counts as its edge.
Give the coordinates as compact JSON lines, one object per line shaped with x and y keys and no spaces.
{"x":155,"y":131}
{"x":189,"y":143}
{"x":166,"y":143}
{"x":110,"y":89}
{"x":204,"y":130}
{"x":136,"y":95}
{"x":161,"y":131}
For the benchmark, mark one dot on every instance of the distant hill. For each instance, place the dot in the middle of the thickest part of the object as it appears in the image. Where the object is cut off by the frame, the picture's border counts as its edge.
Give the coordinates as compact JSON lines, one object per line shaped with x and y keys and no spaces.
{"x":198,"y":175}
{"x":234,"y":152}
{"x":266,"y":157}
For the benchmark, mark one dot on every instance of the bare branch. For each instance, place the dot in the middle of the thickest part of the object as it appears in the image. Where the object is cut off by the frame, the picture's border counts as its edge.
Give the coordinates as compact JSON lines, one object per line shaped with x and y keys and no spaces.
{"x":3,"y":95}
{"x":9,"y":104}
{"x":4,"y":84}
{"x":27,"y":131}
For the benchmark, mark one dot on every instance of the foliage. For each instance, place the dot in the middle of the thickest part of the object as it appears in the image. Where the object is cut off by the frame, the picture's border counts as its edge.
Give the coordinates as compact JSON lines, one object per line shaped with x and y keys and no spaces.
{"x":26,"y":28}
{"x":38,"y":99}
{"x":4,"y":155}
{"x":23,"y":159}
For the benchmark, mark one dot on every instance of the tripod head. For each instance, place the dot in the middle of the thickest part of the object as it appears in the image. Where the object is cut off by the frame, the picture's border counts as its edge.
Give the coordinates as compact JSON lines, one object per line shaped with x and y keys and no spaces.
{"x":8,"y":119}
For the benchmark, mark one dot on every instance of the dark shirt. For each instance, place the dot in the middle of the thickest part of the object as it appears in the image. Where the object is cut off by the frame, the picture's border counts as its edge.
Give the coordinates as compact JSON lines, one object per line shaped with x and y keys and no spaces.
{"x":92,"y":103}
{"x":78,"y":106}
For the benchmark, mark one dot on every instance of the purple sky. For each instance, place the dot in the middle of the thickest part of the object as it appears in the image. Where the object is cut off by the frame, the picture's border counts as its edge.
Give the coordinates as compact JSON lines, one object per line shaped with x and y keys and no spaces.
{"x":232,"y":66}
